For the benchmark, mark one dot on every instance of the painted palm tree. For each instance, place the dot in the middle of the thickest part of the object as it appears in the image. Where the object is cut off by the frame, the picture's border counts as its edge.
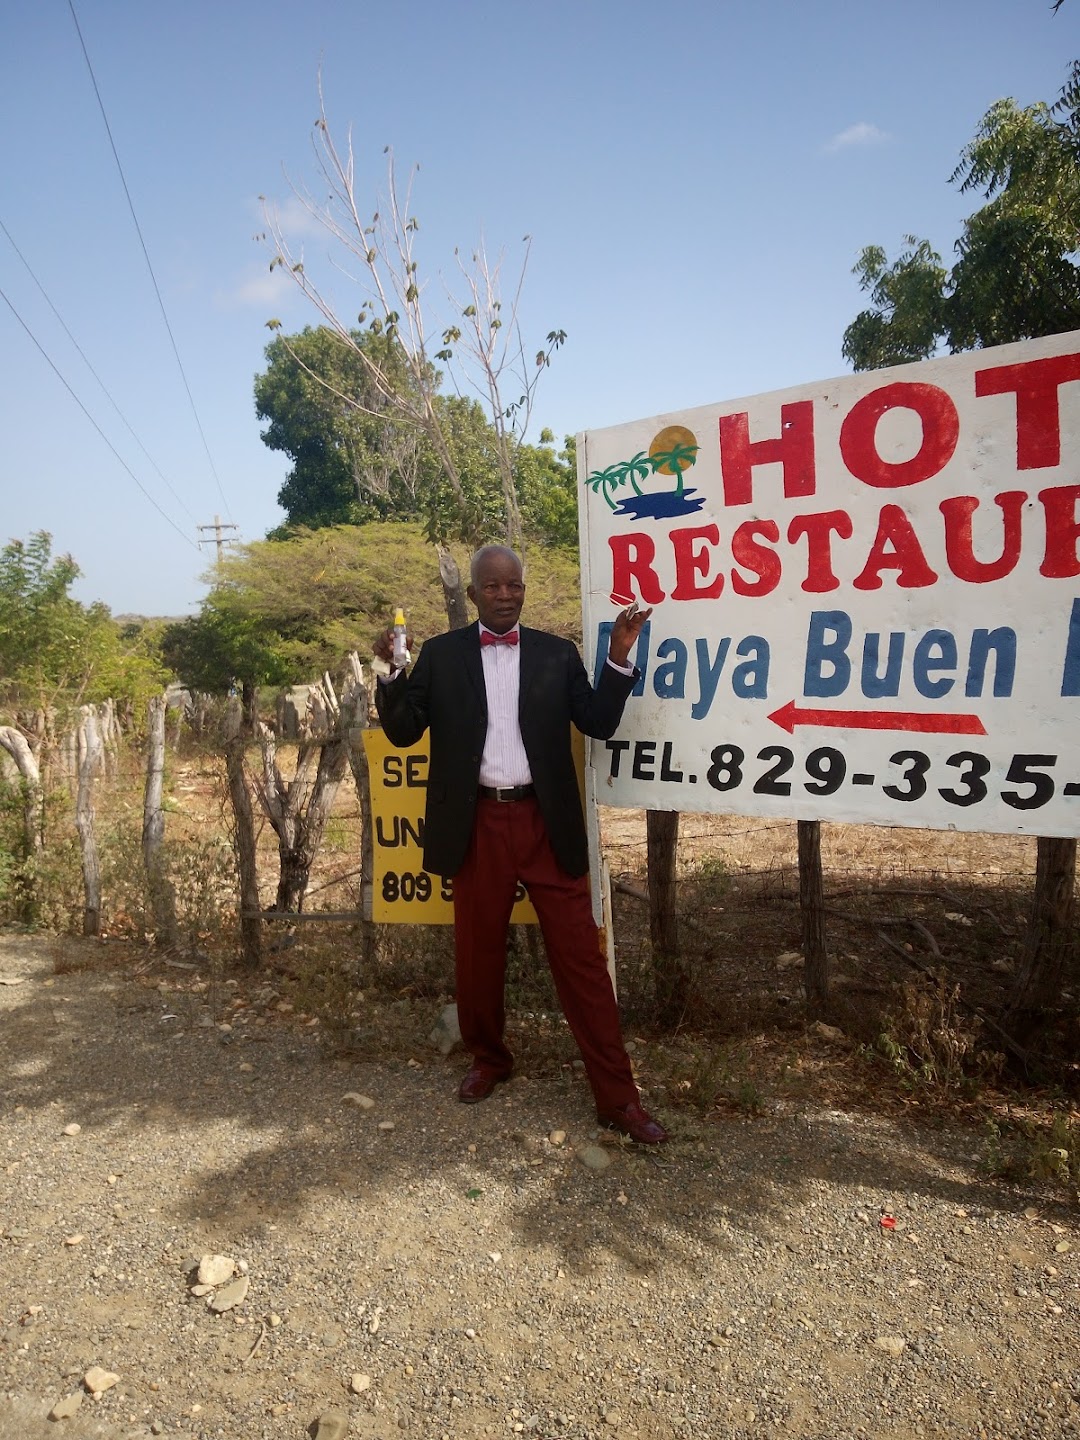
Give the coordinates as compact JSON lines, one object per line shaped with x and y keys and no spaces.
{"x":607,"y":481}
{"x":674,"y":462}
{"x":615,"y":476}
{"x":640,"y":467}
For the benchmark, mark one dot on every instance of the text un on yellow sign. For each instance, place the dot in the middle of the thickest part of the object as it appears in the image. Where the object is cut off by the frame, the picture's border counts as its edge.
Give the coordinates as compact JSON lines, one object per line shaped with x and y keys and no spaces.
{"x":403,"y":892}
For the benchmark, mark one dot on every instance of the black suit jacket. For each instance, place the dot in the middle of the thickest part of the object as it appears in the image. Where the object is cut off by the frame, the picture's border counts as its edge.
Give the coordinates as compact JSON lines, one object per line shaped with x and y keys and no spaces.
{"x":445,"y":693}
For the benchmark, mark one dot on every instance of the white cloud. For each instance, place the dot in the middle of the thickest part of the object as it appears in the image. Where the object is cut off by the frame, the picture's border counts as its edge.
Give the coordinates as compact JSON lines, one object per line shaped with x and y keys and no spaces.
{"x":858,"y":135}
{"x":295,"y":217}
{"x":264,"y":287}
{"x":295,"y":221}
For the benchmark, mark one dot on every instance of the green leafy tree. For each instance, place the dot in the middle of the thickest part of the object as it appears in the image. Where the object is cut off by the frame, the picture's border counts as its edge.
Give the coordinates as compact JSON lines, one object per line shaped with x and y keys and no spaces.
{"x":544,"y":483}
{"x":353,"y":459}
{"x":41,"y":626}
{"x":351,"y":465}
{"x":470,"y":511}
{"x":1016,"y":276}
{"x":54,"y":651}
{"x":220,"y":648}
{"x":284,"y":611}
{"x":547,"y":485}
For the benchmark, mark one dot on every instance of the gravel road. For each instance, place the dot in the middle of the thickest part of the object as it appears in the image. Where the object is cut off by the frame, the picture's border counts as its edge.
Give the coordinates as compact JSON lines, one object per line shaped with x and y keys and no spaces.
{"x":413,"y":1266}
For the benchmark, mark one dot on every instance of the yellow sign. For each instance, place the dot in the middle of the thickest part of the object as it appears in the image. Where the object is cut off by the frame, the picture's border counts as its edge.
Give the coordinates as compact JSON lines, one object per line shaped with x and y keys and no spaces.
{"x":403,"y":893}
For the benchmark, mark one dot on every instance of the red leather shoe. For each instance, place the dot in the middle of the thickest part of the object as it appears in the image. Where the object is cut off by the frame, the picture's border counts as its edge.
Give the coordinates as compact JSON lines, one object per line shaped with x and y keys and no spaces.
{"x":479,"y":1084}
{"x":632,"y":1120}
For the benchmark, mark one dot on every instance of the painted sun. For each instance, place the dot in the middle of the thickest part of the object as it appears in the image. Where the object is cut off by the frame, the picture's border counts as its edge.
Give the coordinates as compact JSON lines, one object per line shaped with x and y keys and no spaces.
{"x":667,"y":440}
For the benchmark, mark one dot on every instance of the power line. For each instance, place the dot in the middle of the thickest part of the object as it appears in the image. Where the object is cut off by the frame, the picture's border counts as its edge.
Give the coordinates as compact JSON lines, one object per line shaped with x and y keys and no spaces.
{"x":146,"y":256}
{"x":96,"y":426}
{"x":93,"y":372}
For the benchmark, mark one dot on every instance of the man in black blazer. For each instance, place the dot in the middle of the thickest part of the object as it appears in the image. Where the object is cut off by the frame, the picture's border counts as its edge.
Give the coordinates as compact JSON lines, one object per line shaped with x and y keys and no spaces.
{"x":503,"y":806}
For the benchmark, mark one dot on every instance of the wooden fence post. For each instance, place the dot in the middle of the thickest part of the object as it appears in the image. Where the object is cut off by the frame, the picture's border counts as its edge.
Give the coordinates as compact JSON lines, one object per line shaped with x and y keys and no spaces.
{"x":23,"y":766}
{"x":355,"y":707}
{"x":672,"y":978}
{"x":14,"y":743}
{"x":812,"y":909}
{"x":90,"y":763}
{"x":162,"y":891}
{"x":243,"y":835}
{"x":109,"y":730}
{"x":1050,"y":942}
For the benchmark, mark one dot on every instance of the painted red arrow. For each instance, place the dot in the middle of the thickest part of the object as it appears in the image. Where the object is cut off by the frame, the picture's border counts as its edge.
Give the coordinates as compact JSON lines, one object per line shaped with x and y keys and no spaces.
{"x":789,"y":715}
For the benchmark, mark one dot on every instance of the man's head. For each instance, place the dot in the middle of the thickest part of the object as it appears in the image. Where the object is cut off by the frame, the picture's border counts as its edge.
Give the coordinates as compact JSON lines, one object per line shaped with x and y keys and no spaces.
{"x":497,"y":589}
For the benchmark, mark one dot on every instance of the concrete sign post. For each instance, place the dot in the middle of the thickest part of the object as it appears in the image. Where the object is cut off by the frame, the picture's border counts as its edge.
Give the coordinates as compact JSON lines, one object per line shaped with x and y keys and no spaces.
{"x":865,"y":592}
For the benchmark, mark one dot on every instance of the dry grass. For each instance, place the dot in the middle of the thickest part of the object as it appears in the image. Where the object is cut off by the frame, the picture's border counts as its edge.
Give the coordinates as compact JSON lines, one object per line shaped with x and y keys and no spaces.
{"x":865,"y":853}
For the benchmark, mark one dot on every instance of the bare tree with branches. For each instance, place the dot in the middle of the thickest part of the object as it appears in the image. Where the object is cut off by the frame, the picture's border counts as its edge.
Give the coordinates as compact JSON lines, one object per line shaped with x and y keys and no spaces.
{"x":471,"y":332}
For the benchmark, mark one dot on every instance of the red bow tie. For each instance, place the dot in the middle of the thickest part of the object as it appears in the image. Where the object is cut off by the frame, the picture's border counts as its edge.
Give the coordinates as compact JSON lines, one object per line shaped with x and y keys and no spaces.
{"x":488,"y":637}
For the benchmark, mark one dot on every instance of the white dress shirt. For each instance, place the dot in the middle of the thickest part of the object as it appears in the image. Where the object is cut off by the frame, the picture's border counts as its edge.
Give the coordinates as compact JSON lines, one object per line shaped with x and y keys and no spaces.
{"x":504,"y":761}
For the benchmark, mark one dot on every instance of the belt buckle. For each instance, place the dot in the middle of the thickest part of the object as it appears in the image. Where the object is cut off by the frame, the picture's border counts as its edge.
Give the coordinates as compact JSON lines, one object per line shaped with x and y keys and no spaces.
{"x":504,"y":793}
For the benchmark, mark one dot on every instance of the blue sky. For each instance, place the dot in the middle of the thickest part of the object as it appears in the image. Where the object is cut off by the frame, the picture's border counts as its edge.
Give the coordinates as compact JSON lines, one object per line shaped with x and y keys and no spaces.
{"x":698,"y":179}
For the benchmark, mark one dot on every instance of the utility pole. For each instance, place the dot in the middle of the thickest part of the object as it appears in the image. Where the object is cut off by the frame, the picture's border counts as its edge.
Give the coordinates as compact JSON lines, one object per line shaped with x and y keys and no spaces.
{"x":220,"y":539}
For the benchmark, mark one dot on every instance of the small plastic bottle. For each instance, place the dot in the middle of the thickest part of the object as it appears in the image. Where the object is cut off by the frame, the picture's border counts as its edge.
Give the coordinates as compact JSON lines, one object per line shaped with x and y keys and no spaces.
{"x":401,"y":648}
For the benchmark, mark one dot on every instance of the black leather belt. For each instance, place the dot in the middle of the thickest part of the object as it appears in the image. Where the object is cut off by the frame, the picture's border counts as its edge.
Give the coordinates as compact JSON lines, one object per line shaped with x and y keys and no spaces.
{"x":506,"y":792}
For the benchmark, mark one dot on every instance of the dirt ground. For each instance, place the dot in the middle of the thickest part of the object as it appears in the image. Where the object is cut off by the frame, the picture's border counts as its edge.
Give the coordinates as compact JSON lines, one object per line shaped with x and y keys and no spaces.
{"x":806,"y":1258}
{"x":826,"y":1249}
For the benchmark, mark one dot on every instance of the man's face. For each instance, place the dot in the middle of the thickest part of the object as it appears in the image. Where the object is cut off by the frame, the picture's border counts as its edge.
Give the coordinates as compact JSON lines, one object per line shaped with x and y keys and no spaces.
{"x":498,"y":592}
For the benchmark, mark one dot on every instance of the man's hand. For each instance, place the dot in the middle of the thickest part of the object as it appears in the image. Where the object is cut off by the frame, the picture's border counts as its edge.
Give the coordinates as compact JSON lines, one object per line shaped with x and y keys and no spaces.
{"x":383,"y":645}
{"x":625,"y":632}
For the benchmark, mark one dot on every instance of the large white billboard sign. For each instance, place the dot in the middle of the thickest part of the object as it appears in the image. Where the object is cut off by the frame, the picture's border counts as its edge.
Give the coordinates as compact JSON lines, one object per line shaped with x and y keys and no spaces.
{"x":865,"y":596}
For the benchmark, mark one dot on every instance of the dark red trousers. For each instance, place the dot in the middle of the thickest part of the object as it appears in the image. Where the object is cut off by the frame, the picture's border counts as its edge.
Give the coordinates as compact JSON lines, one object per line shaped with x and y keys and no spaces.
{"x":509,"y":844}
